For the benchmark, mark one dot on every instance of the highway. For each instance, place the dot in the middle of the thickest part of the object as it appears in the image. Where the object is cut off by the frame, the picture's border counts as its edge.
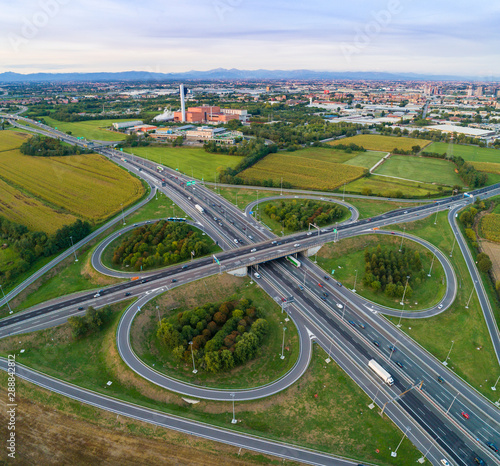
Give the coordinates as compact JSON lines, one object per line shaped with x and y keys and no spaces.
{"x":486,"y":414}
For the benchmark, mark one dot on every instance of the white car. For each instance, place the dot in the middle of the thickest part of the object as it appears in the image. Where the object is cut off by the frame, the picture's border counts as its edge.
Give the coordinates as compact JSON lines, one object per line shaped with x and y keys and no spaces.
{"x":440,"y":306}
{"x":256,"y":275}
{"x":97,"y":295}
{"x":444,"y":462}
{"x":309,"y":233}
{"x":296,"y":245}
{"x":253,"y":250}
{"x":339,"y":306}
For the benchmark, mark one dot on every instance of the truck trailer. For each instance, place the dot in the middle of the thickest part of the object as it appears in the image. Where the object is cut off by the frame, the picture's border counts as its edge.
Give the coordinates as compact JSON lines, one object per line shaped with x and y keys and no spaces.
{"x":381,"y":372}
{"x":199,"y":208}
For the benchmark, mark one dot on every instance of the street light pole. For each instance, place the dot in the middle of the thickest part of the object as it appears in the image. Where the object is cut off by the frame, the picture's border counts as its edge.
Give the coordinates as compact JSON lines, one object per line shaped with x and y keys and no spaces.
{"x":73,"y":247}
{"x":402,"y":238}
{"x":192,"y":355}
{"x":445,"y":362}
{"x":8,"y":305}
{"x":470,"y":297}
{"x":401,"y":316}
{"x":283,"y":345}
{"x":281,"y":193}
{"x":395,"y":452}
{"x":355,"y":279}
{"x":453,"y":247}
{"x":495,"y":386}
{"x":234,"y":420}
{"x":404,"y":292}
{"x":432,"y":263}
{"x":453,"y":401}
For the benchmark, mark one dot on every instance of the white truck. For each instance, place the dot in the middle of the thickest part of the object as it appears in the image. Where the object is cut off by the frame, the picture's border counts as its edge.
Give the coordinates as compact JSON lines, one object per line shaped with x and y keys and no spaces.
{"x":381,"y":372}
{"x":199,"y":208}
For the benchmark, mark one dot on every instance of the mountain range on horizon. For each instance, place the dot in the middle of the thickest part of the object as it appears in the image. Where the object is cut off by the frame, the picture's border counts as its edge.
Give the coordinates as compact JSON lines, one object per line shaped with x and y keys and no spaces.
{"x":222,"y":74}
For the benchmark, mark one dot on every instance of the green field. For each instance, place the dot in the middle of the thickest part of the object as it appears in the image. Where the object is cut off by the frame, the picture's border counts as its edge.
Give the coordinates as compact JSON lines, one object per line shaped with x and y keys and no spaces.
{"x":468,"y":153}
{"x":347,"y":256}
{"x":382,"y":143}
{"x":365,"y":159}
{"x":422,"y":169}
{"x":7,"y":257}
{"x":308,"y":169}
{"x":193,"y":161}
{"x":466,"y":327}
{"x":325,"y":403}
{"x":90,"y":129}
{"x":11,"y":140}
{"x":388,"y":187}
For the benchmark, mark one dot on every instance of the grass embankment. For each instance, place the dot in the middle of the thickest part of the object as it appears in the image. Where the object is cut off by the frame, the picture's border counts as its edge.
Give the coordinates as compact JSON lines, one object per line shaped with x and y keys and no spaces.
{"x":388,"y":187}
{"x":277,"y":227}
{"x":382,"y":143}
{"x":347,"y":256}
{"x":466,"y":327}
{"x":265,"y":368}
{"x":371,"y":208}
{"x":193,"y":161}
{"x":90,"y":129}
{"x":423,"y":169}
{"x":336,"y":421}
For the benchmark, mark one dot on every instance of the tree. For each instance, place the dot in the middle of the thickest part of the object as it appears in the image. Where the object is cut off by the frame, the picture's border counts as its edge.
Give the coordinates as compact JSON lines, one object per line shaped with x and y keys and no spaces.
{"x":78,"y":326}
{"x":485,"y":264}
{"x":213,"y":361}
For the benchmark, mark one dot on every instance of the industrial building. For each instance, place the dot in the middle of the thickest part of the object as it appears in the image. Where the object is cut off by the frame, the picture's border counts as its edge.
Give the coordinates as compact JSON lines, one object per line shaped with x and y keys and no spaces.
{"x":126,"y":124}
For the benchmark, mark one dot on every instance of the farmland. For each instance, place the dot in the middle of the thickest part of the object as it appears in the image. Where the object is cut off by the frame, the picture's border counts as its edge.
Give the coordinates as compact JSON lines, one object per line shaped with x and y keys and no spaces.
{"x":468,"y":153}
{"x":487,"y":167}
{"x":387,"y":187}
{"x":490,"y":227}
{"x":85,"y":185}
{"x":382,"y":143}
{"x":193,"y":161}
{"x":366,"y":159}
{"x":307,"y":172}
{"x":91,"y":129}
{"x":420,"y":169}
{"x":11,"y":140}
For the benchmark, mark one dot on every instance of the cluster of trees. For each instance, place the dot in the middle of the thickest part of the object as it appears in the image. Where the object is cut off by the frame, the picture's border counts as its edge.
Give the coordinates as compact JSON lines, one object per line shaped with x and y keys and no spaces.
{"x":386,"y":270}
{"x":159,"y":244}
{"x":298,"y":215}
{"x":89,"y":323}
{"x":48,"y":147}
{"x":222,"y":335}
{"x":470,"y":176}
{"x":348,"y":147}
{"x":414,"y":150}
{"x":285,"y":133}
{"x":31,"y":245}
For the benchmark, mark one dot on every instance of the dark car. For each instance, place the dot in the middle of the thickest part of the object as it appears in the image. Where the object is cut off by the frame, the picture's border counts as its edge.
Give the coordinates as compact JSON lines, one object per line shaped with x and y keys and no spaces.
{"x":185,"y":266}
{"x":362,"y":325}
{"x":352,"y":323}
{"x":127,"y":294}
{"x":339,"y":284}
{"x":326,"y":277}
{"x":325,"y":294}
{"x":392,"y":348}
{"x":143,"y":281}
{"x":80,"y":308}
{"x":492,"y":446}
{"x":478,"y":460}
{"x":399,"y":364}
{"x":173,"y":280}
{"x":440,"y":379}
{"x":376,"y":343}
{"x":323,"y":298}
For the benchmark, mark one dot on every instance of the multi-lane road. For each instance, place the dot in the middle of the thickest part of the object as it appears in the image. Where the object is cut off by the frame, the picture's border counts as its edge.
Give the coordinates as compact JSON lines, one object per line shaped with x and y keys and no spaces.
{"x":351,"y":329}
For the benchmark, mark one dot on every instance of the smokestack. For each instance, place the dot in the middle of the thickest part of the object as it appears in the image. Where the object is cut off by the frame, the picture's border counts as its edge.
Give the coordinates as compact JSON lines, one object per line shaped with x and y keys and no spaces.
{"x":183,"y":104}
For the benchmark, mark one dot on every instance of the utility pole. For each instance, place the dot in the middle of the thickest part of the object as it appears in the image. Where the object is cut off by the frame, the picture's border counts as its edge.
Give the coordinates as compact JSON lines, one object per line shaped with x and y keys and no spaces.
{"x":395,"y":452}
{"x":73,"y":247}
{"x":470,"y":297}
{"x":402,"y":238}
{"x":234,"y":420}
{"x":192,"y":355}
{"x":281,"y":193}
{"x":404,"y":292}
{"x":453,"y":401}
{"x":445,"y":362}
{"x":283,"y":345}
{"x":432,"y":263}
{"x":355,"y":278}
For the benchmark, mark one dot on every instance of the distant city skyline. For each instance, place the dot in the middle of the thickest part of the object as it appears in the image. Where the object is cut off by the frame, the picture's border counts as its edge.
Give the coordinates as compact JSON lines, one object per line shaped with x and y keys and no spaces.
{"x":425,"y":37}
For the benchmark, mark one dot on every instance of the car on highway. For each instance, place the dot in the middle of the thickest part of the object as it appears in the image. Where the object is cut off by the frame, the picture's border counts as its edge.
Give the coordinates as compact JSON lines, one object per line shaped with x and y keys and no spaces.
{"x":256,"y":275}
{"x":323,"y":298}
{"x":376,"y":343}
{"x":392,"y":349}
{"x":465,"y":415}
{"x":273,"y":242}
{"x":352,"y":323}
{"x":80,"y":308}
{"x":296,"y":245}
{"x":283,"y":299}
{"x":339,"y":284}
{"x":393,"y":233}
{"x":444,"y":462}
{"x":440,"y":379}
{"x":440,"y":306}
{"x":399,"y":364}
{"x":405,"y":211}
{"x":478,"y":460}
{"x":173,"y":280}
{"x":301,"y":287}
{"x":325,"y":294}
{"x":492,"y":446}
{"x":320,"y":285}
{"x":340,"y":306}
{"x":326,"y":277}
{"x":185,"y":266}
{"x":309,"y":233}
{"x":127,"y":293}
{"x":97,"y":295}
{"x":253,"y":250}
{"x":361,"y":324}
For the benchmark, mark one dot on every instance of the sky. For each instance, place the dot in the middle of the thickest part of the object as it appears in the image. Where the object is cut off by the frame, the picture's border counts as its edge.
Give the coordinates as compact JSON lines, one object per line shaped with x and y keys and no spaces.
{"x":430,"y":37}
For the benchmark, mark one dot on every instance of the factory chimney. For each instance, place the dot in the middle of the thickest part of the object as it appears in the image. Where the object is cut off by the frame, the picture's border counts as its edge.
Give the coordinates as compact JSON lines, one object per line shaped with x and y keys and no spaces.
{"x":183,"y":103}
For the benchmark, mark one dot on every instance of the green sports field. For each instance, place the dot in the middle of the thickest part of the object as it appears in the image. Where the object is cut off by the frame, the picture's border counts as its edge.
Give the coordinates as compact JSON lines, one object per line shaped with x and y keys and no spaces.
{"x":193,"y":161}
{"x":422,"y":169}
{"x":366,"y":159}
{"x":468,"y":153}
{"x":382,"y":143}
{"x":91,"y":129}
